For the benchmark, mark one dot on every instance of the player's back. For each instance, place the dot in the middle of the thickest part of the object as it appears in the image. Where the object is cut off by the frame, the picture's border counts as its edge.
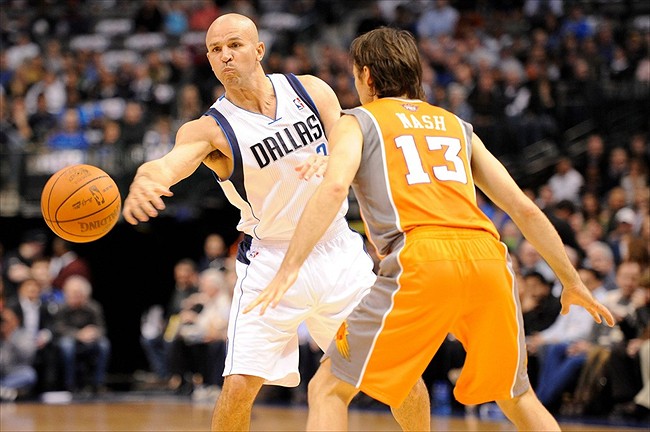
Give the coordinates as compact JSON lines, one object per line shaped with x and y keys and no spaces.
{"x":264,"y":184}
{"x":415,"y":170}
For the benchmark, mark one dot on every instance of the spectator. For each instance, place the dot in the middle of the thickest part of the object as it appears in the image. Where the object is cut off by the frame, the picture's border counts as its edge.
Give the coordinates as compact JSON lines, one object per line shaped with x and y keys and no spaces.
{"x":616,"y":169}
{"x":199,"y":347}
{"x":202,"y":16}
{"x":16,"y":262}
{"x":66,"y":262}
{"x":17,"y":376}
{"x":149,"y":17}
{"x":36,"y":319}
{"x":21,"y":50}
{"x":70,"y":135}
{"x":215,"y":253}
{"x":615,"y":201}
{"x":133,"y":123}
{"x":154,"y":339}
{"x":566,"y":183}
{"x":530,"y":260}
{"x":634,"y":179}
{"x":539,"y":306}
{"x":41,"y":121}
{"x":601,"y":258}
{"x":624,"y":369}
{"x":540,"y":309}
{"x":573,"y":326}
{"x":176,"y":22}
{"x":51,"y":297}
{"x":80,"y":335}
{"x":563,"y":361}
{"x":438,"y":19}
{"x":623,"y":233}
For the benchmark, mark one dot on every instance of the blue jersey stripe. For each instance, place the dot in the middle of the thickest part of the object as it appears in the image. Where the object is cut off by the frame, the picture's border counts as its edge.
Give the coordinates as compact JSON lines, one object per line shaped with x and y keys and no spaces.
{"x":237,"y":176}
{"x":302,"y":92}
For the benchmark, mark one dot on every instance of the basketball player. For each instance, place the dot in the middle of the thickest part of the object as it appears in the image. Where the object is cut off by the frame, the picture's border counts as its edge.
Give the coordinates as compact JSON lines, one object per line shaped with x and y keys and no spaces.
{"x":413,"y":168}
{"x":253,"y":138}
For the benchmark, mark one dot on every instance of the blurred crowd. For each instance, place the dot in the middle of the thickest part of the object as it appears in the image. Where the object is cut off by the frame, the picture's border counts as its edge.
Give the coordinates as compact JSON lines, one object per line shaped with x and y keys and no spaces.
{"x":109,"y":82}
{"x":558,"y":89}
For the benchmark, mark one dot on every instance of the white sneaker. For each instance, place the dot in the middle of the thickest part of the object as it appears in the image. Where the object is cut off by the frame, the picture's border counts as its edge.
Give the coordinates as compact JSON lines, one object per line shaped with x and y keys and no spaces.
{"x":206,"y":394}
{"x":8,"y":394}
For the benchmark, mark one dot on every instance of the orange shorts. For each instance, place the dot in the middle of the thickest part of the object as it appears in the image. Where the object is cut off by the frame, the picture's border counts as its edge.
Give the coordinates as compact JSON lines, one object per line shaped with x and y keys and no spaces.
{"x":439,"y":282}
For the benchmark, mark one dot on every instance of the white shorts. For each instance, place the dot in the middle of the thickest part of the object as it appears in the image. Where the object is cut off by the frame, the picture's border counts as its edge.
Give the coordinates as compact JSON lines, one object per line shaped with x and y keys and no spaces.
{"x":334,"y":278}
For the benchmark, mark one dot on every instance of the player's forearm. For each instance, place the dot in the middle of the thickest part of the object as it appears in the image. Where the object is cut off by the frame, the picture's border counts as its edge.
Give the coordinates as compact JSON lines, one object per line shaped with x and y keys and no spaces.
{"x":319,"y":213}
{"x":157,"y":172}
{"x":539,"y":231}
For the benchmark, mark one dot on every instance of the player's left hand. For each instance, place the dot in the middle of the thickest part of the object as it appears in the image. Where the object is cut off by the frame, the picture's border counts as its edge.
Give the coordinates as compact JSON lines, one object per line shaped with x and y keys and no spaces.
{"x":580,"y":295}
{"x":273,"y":293}
{"x":315,"y":164}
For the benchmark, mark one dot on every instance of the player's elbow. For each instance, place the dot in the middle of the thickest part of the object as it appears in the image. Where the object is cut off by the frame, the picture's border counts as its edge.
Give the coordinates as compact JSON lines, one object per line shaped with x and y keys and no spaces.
{"x":336,"y":190}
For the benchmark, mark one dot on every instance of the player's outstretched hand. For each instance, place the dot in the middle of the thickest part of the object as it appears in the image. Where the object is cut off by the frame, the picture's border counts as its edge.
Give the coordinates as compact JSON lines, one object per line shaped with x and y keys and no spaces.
{"x":144,"y":200}
{"x":273,"y":293}
{"x":315,"y":165}
{"x":580,"y":295}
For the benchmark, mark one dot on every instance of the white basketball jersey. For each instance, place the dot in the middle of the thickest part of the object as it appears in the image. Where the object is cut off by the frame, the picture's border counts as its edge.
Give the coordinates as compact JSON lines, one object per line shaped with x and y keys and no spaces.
{"x":264,"y":184}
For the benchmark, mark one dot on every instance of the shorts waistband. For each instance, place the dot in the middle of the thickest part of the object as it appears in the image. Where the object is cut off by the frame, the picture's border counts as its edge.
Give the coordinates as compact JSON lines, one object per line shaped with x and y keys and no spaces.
{"x":337,"y":228}
{"x":448,"y":233}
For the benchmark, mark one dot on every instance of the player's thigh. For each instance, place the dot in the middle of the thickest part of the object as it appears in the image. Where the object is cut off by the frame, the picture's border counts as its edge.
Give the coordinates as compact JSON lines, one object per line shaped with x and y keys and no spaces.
{"x":491,"y":330}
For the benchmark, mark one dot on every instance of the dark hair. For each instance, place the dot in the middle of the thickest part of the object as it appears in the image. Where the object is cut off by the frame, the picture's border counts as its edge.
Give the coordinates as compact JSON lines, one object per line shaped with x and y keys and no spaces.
{"x":393,"y":59}
{"x":598,"y":275}
{"x":566,"y":205}
{"x":539,"y":276}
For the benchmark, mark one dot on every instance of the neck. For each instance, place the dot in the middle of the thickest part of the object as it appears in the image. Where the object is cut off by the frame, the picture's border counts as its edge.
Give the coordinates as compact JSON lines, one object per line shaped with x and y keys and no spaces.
{"x":256,"y":96}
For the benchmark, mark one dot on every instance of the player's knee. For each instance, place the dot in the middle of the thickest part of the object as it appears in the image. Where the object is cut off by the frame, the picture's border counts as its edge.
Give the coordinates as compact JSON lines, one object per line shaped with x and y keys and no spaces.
{"x":325,"y":385}
{"x":241,"y":389}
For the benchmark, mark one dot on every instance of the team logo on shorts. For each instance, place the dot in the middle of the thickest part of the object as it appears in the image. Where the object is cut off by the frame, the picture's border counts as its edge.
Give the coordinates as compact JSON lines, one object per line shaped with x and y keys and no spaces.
{"x":342,"y":341}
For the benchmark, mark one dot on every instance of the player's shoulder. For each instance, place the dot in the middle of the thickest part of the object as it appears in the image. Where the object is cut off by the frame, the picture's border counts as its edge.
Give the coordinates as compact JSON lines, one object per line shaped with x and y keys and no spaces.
{"x":313,"y":83}
{"x":204,"y":128}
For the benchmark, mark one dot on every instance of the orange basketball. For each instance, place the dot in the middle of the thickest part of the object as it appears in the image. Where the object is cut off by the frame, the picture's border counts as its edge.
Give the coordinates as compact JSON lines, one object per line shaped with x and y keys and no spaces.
{"x":81,"y":203}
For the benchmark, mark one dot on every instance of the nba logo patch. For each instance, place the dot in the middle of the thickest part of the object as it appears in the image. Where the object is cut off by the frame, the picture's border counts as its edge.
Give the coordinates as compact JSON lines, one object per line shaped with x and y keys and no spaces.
{"x":298,"y":103}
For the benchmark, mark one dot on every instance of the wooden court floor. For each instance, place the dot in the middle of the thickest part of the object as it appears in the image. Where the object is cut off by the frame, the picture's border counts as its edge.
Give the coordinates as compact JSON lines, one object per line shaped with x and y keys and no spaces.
{"x":185,"y":416}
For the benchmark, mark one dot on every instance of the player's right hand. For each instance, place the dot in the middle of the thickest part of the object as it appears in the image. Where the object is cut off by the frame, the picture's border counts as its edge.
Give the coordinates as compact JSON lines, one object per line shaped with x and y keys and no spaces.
{"x":315,"y":164}
{"x":144,"y":200}
{"x":580,"y":295}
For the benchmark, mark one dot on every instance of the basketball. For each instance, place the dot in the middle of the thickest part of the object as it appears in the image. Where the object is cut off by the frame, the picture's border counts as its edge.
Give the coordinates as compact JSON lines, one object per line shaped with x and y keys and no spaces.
{"x":81,"y":203}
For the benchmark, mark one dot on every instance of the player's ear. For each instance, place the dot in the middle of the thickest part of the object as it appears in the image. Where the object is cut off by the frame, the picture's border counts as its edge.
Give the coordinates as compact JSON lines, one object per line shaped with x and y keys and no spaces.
{"x":261,"y":49}
{"x":365,"y":76}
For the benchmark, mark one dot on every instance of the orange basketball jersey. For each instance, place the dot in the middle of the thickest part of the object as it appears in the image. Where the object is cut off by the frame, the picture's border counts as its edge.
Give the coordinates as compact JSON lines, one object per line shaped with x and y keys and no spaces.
{"x":424,"y":152}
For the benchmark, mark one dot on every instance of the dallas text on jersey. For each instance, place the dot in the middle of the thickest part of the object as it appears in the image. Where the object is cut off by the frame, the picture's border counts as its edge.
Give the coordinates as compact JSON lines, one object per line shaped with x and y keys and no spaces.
{"x":286,"y":141}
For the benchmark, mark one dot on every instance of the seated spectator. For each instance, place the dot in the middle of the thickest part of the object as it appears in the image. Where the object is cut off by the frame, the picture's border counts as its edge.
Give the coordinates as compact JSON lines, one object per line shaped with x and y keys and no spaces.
{"x":601,"y":258}
{"x":155,"y":338}
{"x":36,"y":319}
{"x":197,"y":352}
{"x":563,"y":361}
{"x":575,"y":325}
{"x":66,"y":262}
{"x":215,"y":253}
{"x":621,"y":236}
{"x":539,"y":306}
{"x":80,"y":335}
{"x":16,"y":262}
{"x":566,"y":183}
{"x":625,"y":372}
{"x":17,"y":376}
{"x":70,"y":135}
{"x":51,"y":297}
{"x":530,"y":260}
